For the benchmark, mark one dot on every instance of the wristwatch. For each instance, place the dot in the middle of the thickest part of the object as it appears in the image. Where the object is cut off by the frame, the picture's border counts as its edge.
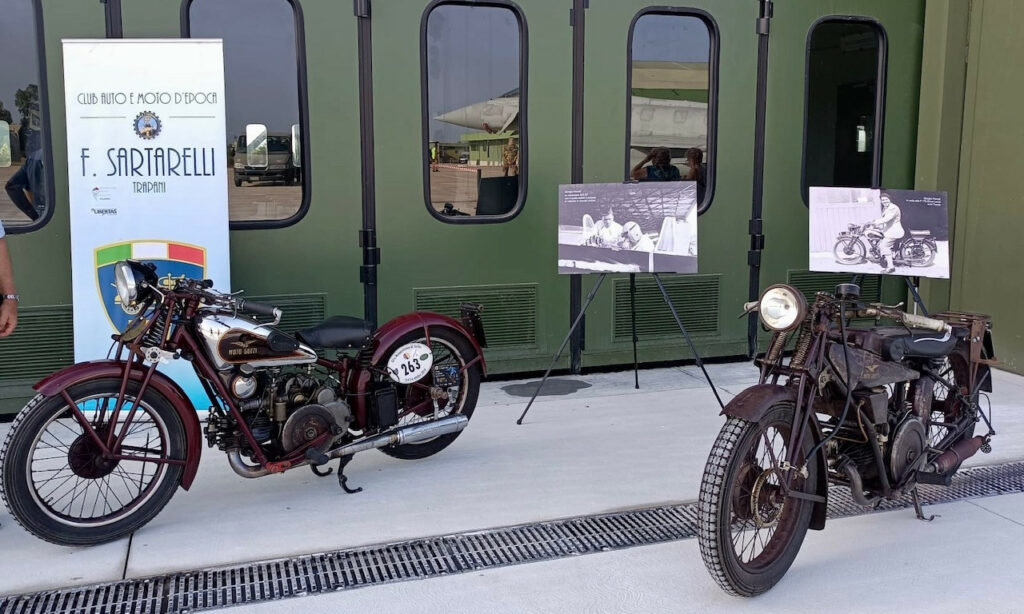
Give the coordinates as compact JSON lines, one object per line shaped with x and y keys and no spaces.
{"x":11,"y":297}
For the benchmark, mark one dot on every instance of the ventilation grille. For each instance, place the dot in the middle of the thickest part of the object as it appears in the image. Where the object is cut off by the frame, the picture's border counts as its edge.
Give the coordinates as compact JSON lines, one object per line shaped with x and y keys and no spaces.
{"x":42,"y":343}
{"x":300,"y":310}
{"x":695,"y":298}
{"x":509,"y":312}
{"x":810,"y":283}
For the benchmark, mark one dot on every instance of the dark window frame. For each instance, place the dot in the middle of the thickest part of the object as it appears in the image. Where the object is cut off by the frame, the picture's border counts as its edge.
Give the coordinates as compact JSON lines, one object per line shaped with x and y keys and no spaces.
{"x":47,"y":142}
{"x":303,"y":99}
{"x":881,"y":79}
{"x":710,"y":161}
{"x":523,"y":133}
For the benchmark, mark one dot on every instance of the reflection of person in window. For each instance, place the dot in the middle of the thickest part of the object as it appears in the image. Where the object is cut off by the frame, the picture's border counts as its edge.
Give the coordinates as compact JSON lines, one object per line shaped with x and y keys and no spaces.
{"x":434,"y":162}
{"x":605,"y":233}
{"x":510,"y":157}
{"x":661,"y":168}
{"x":633,"y":238}
{"x":698,"y":172}
{"x":25,"y":187}
{"x":8,"y":295}
{"x":891,"y":228}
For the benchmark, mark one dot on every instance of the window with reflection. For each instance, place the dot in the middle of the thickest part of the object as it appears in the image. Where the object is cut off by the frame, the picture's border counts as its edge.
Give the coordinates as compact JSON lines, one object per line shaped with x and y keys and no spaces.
{"x":261,"y":81}
{"x":845,"y":74}
{"x":23,"y":163}
{"x":671,"y":72}
{"x":474,"y":160}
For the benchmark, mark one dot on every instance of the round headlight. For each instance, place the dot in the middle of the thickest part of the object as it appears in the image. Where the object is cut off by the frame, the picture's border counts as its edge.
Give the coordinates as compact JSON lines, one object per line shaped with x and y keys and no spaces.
{"x":127,"y":286}
{"x":782,"y":307}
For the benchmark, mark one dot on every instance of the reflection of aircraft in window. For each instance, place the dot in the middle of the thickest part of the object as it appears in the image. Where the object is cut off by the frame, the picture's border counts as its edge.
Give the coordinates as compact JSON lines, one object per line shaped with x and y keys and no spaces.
{"x":656,"y":122}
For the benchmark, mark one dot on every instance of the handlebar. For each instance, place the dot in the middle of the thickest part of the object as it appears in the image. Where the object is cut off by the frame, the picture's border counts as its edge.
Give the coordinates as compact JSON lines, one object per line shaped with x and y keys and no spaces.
{"x":911,"y":320}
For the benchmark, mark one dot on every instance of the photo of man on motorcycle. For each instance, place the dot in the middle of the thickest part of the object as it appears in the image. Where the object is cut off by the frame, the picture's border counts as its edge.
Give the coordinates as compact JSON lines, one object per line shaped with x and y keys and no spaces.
{"x":892,"y":231}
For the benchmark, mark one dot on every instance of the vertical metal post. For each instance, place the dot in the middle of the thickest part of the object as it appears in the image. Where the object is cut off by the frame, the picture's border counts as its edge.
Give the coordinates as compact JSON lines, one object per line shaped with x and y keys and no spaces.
{"x":112,"y":18}
{"x":577,"y":20}
{"x":632,"y":317}
{"x":368,"y":233}
{"x":757,"y":208}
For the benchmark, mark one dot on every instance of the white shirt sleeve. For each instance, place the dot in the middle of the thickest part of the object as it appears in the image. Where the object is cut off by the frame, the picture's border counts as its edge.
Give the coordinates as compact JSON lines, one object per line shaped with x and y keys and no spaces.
{"x":2,"y":233}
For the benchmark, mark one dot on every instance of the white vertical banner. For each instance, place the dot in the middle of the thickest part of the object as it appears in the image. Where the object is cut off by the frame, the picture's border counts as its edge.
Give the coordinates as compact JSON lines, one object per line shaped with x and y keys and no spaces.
{"x":147,"y":157}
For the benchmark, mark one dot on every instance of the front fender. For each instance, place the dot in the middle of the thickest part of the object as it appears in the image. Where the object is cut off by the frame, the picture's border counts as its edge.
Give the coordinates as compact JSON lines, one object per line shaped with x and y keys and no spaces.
{"x":54,"y":383}
{"x":751,"y":405}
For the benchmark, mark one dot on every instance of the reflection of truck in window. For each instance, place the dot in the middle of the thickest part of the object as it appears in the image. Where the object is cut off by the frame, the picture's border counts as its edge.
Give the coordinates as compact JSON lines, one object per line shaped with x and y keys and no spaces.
{"x":280,"y":166}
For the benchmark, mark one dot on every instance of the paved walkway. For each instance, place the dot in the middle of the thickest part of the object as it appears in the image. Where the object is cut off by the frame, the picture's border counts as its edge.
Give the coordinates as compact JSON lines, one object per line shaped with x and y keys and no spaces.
{"x":601,"y":448}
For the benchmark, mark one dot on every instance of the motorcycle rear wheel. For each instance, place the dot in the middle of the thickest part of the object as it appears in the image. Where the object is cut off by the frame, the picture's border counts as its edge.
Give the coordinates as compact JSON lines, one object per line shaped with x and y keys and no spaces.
{"x":849,"y":250}
{"x":450,"y":350}
{"x":57,"y":485}
{"x":748,"y":533}
{"x":917,"y":253}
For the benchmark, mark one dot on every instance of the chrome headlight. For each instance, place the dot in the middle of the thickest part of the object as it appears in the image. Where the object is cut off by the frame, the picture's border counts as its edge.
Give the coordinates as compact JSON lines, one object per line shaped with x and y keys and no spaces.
{"x":126,"y":282}
{"x":782,"y":307}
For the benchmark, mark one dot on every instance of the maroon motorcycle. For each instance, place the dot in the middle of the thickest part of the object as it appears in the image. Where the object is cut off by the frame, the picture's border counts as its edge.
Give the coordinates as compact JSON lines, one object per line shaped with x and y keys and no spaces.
{"x":104,"y":444}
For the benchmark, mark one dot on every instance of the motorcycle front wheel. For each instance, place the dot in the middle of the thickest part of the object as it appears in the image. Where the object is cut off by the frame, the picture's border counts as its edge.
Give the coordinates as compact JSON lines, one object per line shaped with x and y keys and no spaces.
{"x":749,"y":533}
{"x":448,"y":374}
{"x":849,"y":250}
{"x":58,"y":486}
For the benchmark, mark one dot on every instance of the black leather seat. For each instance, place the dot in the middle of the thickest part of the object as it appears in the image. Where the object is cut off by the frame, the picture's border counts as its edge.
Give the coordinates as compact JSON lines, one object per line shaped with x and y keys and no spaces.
{"x":337,"y":332}
{"x":896,"y":343}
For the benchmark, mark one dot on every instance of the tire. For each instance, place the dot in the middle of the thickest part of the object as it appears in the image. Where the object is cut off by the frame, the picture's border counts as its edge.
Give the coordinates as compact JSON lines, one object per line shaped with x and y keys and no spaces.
{"x":450,"y":349}
{"x":727,"y":492}
{"x":926,"y":257}
{"x":849,"y":250}
{"x":26,"y":473}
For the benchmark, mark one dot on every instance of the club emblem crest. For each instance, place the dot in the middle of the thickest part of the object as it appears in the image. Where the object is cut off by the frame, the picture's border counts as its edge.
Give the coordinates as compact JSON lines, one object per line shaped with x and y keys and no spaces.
{"x":147,"y":125}
{"x":173,"y":261}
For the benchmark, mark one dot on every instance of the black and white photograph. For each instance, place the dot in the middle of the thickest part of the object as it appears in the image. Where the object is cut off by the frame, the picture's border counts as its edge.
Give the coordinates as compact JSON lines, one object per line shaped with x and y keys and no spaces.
{"x":879,"y":231}
{"x":627,"y":228}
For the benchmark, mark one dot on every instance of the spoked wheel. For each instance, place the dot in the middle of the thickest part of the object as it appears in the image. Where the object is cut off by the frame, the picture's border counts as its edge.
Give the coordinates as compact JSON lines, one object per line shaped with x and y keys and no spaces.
{"x":948,"y":408}
{"x":749,"y":532}
{"x":849,"y":251}
{"x":56,"y":482}
{"x":447,"y":388}
{"x":917,"y":253}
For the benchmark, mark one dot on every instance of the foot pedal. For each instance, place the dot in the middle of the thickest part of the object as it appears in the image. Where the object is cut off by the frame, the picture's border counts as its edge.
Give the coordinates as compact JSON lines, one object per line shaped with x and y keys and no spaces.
{"x":937,"y":479}
{"x":316,"y":457}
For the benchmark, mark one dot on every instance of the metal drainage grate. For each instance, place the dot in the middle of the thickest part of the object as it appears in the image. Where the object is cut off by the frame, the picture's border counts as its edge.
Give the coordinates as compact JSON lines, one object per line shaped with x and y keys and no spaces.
{"x":190,"y":591}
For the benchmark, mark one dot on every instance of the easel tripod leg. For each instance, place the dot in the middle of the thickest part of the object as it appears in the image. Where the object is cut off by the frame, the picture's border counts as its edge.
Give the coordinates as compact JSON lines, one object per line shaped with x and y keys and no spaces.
{"x":632,"y":314}
{"x":686,"y":335}
{"x":558,"y":354}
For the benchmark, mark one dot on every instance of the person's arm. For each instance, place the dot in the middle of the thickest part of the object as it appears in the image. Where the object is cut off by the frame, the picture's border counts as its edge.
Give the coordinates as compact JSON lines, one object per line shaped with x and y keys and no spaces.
{"x":8,"y":308}
{"x":639,"y":172}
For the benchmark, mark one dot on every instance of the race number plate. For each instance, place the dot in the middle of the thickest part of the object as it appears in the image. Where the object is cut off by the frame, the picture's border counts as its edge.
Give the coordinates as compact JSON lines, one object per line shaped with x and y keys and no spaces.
{"x":410,"y":363}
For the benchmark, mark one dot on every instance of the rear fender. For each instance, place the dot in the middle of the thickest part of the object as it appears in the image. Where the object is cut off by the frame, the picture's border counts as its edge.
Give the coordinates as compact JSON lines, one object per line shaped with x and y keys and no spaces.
{"x":384,"y":337}
{"x":751,"y":405}
{"x":53,"y":384}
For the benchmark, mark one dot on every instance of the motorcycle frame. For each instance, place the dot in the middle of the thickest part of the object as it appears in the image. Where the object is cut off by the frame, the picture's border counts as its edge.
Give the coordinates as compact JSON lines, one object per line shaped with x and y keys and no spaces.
{"x":182,"y":342}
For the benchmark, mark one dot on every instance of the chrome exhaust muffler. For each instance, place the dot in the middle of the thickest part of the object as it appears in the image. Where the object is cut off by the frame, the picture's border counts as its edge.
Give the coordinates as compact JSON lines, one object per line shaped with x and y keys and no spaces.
{"x":414,"y":433}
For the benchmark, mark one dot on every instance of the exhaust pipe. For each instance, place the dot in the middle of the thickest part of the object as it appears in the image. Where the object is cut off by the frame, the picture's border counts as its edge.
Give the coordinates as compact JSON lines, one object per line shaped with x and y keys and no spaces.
{"x":857,"y":485}
{"x":414,"y":433}
{"x":951,"y":458}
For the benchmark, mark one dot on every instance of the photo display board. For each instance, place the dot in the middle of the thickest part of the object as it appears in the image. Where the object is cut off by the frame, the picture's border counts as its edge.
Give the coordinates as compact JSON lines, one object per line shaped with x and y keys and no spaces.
{"x":879,"y":231}
{"x":146,"y":151}
{"x":627,"y":228}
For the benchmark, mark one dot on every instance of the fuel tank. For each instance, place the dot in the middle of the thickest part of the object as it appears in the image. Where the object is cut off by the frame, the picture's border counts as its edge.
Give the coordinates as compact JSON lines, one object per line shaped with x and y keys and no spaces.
{"x":231,"y":341}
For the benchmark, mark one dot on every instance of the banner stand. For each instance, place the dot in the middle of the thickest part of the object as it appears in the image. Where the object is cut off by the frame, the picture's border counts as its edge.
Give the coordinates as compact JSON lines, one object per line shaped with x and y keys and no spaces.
{"x":583,"y":310}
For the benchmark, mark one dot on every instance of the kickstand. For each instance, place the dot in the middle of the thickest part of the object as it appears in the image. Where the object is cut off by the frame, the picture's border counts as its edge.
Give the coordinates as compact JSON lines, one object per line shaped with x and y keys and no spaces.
{"x":917,"y":507}
{"x":321,"y":473}
{"x":343,"y":479}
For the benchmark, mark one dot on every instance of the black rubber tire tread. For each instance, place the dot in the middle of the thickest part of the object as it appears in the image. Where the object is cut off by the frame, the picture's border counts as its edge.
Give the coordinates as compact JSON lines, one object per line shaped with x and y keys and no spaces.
{"x":714,"y":486}
{"x":473,"y":375}
{"x":14,"y":489}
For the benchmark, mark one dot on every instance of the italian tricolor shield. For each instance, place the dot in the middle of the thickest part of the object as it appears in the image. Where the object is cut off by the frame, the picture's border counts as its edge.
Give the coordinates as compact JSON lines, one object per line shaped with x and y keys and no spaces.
{"x":173,"y":260}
